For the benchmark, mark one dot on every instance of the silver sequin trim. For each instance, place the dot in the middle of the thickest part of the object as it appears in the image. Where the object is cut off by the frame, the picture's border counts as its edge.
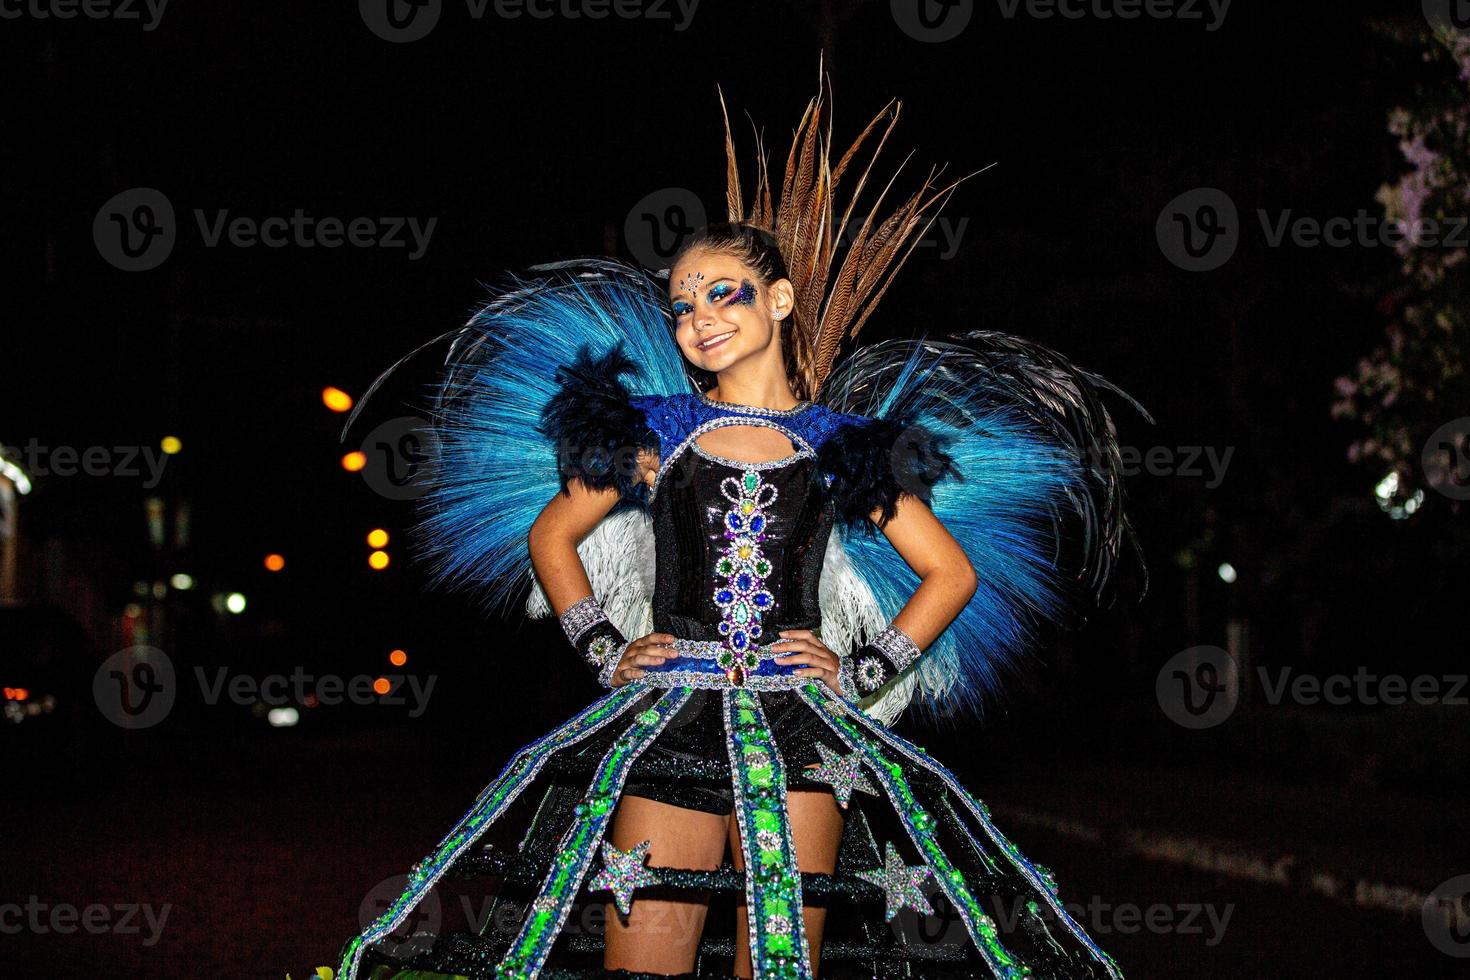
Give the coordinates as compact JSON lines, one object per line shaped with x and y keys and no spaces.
{"x":796,"y":409}
{"x":581,"y":616}
{"x":803,"y":448}
{"x":897,"y":646}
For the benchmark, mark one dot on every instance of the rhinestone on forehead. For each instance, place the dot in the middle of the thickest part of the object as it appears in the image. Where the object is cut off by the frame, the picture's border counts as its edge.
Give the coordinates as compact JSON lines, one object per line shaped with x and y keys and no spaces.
{"x":690,"y":283}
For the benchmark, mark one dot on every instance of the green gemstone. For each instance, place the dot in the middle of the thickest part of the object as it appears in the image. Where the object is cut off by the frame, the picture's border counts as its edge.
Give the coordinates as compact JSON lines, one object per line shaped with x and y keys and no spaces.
{"x":649,"y":717}
{"x":751,"y":481}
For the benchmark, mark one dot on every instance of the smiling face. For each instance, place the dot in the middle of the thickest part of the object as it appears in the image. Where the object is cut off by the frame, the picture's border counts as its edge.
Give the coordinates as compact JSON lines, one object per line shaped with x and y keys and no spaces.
{"x":722,"y":315}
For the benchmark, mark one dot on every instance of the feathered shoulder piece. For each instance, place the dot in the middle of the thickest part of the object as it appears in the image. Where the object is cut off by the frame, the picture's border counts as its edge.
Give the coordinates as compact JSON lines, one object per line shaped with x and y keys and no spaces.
{"x":548,"y":382}
{"x":1013,"y":449}
{"x":598,"y":429}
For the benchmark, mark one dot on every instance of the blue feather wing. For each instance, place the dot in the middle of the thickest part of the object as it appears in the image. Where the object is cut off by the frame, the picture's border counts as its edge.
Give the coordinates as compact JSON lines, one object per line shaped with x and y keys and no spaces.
{"x":495,"y":466}
{"x":1031,"y":464}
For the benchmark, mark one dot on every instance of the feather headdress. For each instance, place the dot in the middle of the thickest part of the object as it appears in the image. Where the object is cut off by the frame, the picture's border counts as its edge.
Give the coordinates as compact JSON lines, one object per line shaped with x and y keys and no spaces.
{"x":840,"y":261}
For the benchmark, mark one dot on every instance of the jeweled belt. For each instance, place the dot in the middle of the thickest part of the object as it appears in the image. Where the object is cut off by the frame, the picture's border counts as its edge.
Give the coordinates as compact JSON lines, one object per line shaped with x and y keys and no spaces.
{"x":709,"y":663}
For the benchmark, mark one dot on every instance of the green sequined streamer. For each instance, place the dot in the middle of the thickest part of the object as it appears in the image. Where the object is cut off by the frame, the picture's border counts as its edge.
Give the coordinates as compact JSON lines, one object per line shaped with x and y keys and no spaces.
{"x":778,"y":946}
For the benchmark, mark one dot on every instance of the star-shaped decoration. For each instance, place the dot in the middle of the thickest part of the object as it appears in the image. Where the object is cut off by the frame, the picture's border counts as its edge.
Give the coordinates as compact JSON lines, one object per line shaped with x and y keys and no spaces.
{"x":622,"y":872}
{"x":901,"y":884}
{"x":844,"y":772}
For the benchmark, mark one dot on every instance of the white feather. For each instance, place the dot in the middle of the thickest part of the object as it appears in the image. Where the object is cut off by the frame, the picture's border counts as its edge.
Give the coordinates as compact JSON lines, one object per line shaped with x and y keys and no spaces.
{"x":850,"y":611}
{"x":618,"y":555}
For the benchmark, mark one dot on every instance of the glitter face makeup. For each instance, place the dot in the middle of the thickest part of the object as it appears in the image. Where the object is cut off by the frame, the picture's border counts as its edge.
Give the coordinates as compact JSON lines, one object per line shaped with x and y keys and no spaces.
{"x":691,"y":283}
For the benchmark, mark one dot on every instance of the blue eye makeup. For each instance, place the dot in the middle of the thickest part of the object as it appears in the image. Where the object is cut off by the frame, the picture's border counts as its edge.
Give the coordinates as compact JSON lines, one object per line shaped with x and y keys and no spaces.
{"x":744,"y":296}
{"x":682,"y":306}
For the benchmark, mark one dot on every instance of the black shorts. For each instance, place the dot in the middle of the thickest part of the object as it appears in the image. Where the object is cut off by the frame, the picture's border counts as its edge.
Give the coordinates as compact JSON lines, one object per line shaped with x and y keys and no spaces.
{"x":697,"y":731}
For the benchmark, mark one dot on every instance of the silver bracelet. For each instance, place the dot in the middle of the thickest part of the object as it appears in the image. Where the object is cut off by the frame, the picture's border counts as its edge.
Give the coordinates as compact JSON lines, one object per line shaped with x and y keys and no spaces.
{"x":847,"y":679}
{"x":581,"y":616}
{"x":610,"y":665}
{"x":897,"y":646}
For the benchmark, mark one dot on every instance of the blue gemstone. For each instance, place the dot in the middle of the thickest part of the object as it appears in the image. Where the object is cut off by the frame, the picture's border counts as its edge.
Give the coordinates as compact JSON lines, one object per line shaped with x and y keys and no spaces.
{"x":758,"y":523}
{"x":743,"y":582}
{"x":739,"y":640}
{"x":724,"y":596}
{"x":762,"y":599}
{"x":732,"y":520}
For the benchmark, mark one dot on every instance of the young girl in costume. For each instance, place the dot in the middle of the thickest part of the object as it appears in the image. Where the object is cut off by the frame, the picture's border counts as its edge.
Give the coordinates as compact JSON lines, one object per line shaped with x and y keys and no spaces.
{"x":766,"y":548}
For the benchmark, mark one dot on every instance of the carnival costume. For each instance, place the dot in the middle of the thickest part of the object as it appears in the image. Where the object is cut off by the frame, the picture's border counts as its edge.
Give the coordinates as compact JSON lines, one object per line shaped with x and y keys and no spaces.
{"x":572,"y":373}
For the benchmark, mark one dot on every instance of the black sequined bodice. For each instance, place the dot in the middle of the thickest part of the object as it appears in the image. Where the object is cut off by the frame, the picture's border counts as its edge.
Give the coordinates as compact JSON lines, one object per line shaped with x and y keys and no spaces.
{"x":738,"y":544}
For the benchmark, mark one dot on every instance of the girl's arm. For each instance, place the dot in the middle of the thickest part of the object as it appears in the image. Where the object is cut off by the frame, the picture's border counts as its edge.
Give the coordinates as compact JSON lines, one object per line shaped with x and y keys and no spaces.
{"x":558,"y":529}
{"x":948,"y":579}
{"x":554,"y":537}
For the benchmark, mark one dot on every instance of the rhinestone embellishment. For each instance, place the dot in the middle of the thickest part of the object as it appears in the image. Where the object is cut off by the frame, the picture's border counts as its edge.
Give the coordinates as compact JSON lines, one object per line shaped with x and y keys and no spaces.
{"x":744,"y":599}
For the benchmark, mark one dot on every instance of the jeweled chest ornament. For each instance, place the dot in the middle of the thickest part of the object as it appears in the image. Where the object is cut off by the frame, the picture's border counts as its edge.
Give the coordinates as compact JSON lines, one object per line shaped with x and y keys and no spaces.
{"x":744,"y":598}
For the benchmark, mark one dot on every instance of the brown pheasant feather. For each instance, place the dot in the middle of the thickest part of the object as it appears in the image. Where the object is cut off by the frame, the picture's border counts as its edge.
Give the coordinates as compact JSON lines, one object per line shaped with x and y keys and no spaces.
{"x":810,"y":233}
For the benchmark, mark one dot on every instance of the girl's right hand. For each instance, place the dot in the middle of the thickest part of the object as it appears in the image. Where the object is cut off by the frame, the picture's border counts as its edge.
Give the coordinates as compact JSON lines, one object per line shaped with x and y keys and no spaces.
{"x":640,"y":653}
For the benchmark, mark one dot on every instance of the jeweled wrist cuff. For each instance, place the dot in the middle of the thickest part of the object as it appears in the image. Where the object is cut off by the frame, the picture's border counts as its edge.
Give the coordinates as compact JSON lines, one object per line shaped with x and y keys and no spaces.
{"x":594,"y":636}
{"x":883,"y":657}
{"x":847,"y":679}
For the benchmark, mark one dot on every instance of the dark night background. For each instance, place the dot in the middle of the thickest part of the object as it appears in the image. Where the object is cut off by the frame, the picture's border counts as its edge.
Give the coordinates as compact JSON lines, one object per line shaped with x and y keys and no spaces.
{"x":531,"y":140}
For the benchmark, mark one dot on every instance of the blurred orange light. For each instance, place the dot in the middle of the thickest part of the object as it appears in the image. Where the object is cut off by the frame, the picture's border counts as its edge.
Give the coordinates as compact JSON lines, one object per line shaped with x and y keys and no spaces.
{"x":381,"y":685}
{"x":354,"y":462}
{"x":336,"y":399}
{"x":274,"y":562}
{"x":398,"y":658}
{"x":377,"y":538}
{"x":378,"y":560}
{"x":16,"y":694}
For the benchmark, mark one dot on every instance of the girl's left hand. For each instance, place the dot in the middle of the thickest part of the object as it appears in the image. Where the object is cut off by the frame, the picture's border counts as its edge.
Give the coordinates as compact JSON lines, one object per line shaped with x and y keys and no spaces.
{"x":807,"y":648}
